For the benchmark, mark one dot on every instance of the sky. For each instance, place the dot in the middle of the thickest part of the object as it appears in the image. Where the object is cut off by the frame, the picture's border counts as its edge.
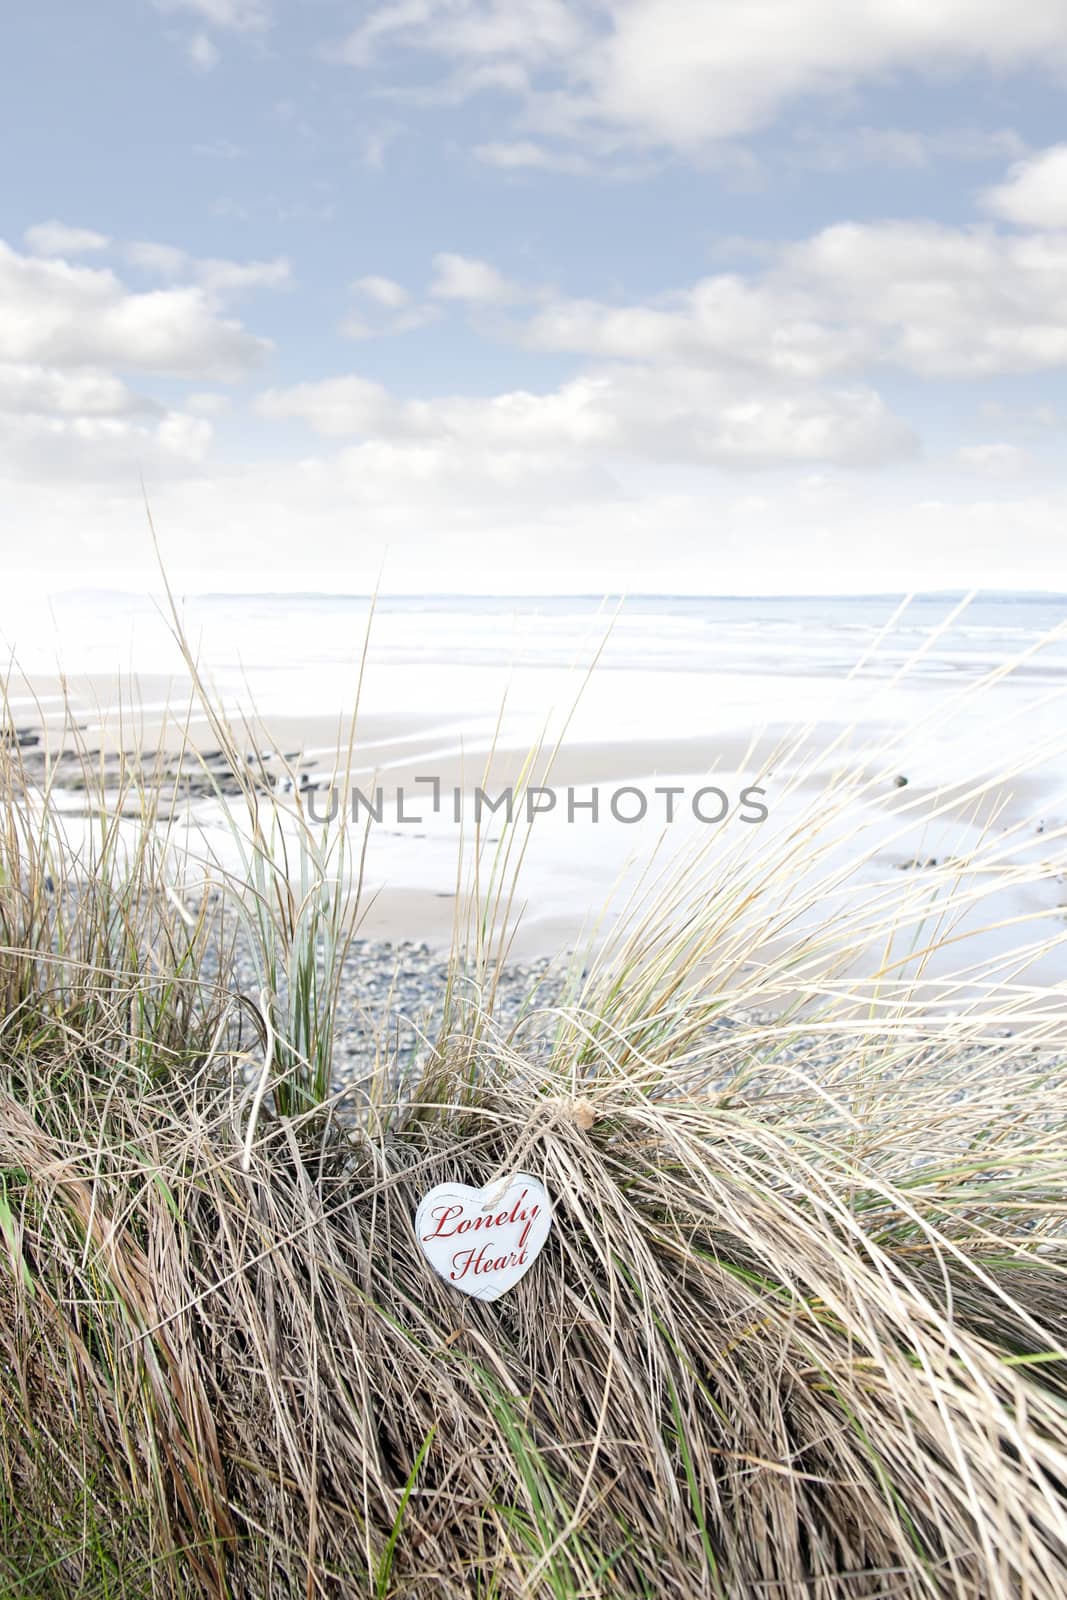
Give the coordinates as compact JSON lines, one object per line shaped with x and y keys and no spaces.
{"x":506,"y":296}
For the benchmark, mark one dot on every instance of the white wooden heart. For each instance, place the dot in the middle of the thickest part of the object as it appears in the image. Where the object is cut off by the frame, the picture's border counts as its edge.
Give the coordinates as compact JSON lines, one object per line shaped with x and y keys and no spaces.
{"x":483,"y":1240}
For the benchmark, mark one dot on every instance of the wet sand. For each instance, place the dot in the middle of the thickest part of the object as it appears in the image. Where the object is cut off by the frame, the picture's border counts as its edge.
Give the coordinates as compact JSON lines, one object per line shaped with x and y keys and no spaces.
{"x":904,"y":829}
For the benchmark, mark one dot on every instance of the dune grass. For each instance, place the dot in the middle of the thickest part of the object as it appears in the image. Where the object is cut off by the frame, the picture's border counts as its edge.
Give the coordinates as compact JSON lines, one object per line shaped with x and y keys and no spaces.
{"x":800,"y":1328}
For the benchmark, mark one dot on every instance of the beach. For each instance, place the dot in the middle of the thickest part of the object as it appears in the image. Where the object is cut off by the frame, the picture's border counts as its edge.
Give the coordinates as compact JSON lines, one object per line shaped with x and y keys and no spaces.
{"x":924,"y":740}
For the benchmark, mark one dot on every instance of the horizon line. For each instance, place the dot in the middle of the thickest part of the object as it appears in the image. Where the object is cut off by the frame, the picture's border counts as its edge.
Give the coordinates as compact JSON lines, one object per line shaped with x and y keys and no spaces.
{"x":575,"y":594}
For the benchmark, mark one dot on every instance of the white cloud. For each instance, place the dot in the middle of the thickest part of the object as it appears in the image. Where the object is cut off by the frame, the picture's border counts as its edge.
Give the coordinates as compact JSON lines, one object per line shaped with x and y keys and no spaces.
{"x":203,"y":53}
{"x":186,"y":437}
{"x":218,"y":278}
{"x":436,"y":518}
{"x":60,"y":315}
{"x":48,"y":391}
{"x":65,"y":414}
{"x":515,"y":153}
{"x":464,"y":278}
{"x":681,"y":72}
{"x":385,"y":295}
{"x":241,"y":15}
{"x":685,"y":74}
{"x":375,"y":143}
{"x":57,"y":239}
{"x":219,"y":149}
{"x":165,"y":260}
{"x":769,"y":327}
{"x":234,"y":277}
{"x":383,"y":291}
{"x":937,"y":301}
{"x":992,"y":460}
{"x":1035,"y":191}
{"x":674,"y":414}
{"x":207,"y":403}
{"x":402,"y":322}
{"x":842,"y":149}
{"x":101,"y":449}
{"x":527,"y":155}
{"x":739,"y":371}
{"x":529,"y":29}
{"x":335,"y":407}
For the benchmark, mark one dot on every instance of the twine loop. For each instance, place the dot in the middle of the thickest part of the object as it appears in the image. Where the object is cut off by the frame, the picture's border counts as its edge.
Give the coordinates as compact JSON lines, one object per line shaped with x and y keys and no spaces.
{"x":550,"y":1114}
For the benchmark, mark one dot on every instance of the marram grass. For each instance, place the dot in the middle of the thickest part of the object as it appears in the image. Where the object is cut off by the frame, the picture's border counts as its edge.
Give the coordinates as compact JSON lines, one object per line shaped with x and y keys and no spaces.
{"x":800,"y":1328}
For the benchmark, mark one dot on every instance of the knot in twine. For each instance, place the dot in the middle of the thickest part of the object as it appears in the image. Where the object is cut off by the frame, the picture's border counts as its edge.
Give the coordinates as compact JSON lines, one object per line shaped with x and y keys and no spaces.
{"x":581,"y":1112}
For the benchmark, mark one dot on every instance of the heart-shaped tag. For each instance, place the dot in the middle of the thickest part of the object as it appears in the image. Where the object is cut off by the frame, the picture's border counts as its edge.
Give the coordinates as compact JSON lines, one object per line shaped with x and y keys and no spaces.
{"x":483,"y":1240}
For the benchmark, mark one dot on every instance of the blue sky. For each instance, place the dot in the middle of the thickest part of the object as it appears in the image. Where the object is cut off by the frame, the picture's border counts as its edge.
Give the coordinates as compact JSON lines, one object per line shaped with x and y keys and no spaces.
{"x":489,"y":296}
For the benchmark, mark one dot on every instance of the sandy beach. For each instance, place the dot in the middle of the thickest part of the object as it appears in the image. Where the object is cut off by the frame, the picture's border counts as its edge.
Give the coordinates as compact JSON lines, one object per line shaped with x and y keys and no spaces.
{"x":936,"y":777}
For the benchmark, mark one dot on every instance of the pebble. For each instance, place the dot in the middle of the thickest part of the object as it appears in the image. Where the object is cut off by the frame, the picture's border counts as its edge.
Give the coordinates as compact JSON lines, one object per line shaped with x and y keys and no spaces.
{"x":390,"y":999}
